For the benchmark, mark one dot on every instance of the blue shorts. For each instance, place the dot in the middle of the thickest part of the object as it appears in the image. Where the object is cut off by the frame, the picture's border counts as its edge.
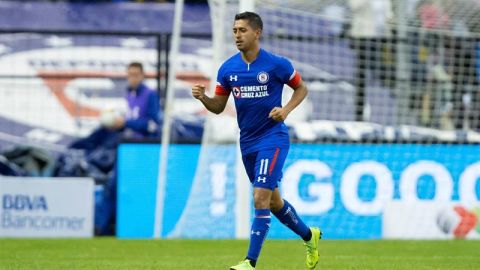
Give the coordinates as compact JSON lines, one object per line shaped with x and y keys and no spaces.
{"x":264,"y":168}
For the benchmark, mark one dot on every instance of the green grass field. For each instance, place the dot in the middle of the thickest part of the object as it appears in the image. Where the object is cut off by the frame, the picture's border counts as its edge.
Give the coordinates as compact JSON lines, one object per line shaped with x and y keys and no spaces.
{"x":109,"y":253}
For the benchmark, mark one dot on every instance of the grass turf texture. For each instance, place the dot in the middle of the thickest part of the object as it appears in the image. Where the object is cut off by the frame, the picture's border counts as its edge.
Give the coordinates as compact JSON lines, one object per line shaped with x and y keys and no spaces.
{"x":110,"y":253}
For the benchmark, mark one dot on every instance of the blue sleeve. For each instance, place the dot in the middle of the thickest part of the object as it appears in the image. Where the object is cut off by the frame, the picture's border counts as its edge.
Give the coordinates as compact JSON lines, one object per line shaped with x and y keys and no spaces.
{"x":222,"y":87}
{"x":285,"y":70}
{"x":221,"y":77}
{"x":152,"y":122}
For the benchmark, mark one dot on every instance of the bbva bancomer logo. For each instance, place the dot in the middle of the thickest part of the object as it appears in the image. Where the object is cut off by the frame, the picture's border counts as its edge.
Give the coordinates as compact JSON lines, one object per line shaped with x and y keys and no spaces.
{"x":31,"y":212}
{"x":21,"y":202}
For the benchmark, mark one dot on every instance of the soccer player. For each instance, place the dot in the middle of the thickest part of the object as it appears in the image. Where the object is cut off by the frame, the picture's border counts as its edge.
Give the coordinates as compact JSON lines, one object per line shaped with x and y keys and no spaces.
{"x":256,"y":77}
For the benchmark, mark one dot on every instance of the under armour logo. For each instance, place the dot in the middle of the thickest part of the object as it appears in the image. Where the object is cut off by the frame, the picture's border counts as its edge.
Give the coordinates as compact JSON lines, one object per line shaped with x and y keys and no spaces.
{"x":256,"y":232}
{"x":292,"y":215}
{"x":233,"y":77}
{"x":262,"y":179}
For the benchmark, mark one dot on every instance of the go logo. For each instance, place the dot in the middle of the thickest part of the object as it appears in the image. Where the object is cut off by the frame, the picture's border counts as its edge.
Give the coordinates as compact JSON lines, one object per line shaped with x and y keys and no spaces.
{"x":321,"y":192}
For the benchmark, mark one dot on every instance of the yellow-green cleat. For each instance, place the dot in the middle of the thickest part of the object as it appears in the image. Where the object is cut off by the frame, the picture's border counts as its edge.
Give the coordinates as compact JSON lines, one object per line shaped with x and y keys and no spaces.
{"x":243,"y":265}
{"x":312,"y":248}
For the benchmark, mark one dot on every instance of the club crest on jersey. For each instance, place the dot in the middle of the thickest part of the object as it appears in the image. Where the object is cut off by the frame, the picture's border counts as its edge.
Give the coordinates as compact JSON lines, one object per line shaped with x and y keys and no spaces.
{"x":236,"y":91}
{"x":262,"y":77}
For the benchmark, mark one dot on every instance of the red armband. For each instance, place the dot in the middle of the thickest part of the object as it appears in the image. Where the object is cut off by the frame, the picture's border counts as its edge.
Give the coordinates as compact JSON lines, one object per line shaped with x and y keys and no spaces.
{"x":294,"y":80}
{"x":221,"y":91}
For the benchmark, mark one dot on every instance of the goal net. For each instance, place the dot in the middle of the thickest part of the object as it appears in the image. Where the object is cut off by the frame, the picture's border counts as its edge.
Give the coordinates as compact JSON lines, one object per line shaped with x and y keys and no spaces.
{"x":386,"y":143}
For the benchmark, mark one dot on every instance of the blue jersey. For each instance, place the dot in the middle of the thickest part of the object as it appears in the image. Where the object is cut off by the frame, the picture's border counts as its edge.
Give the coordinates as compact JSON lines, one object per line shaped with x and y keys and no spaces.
{"x":257,"y":89}
{"x":143,"y":117}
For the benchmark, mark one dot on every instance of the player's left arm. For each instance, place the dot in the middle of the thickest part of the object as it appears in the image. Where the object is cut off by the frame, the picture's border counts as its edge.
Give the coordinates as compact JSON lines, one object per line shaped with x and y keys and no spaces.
{"x":300,"y":92}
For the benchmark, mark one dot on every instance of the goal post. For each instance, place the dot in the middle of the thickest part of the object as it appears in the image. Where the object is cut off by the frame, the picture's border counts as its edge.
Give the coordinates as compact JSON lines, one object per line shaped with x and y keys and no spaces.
{"x":163,"y":159}
{"x":219,"y":201}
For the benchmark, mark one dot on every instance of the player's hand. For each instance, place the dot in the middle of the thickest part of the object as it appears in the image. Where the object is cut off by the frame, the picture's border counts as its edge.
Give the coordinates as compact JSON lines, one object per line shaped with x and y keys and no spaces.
{"x":117,"y":124}
{"x":198,"y":91}
{"x":278,"y":114}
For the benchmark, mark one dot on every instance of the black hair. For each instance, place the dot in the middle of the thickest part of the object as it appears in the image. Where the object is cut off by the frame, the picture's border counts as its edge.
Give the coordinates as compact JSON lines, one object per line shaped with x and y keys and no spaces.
{"x":136,"y":65}
{"x":253,"y":19}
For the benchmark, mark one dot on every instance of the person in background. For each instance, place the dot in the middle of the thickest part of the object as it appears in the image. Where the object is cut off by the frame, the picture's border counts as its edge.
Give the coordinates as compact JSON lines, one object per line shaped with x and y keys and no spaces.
{"x":143,"y":119}
{"x":143,"y":115}
{"x":371,"y":34}
{"x":431,"y":83}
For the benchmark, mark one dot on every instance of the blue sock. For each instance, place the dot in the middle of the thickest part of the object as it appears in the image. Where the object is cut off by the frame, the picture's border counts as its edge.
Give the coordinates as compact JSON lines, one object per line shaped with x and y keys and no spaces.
{"x":260,"y":227}
{"x":288,"y":216}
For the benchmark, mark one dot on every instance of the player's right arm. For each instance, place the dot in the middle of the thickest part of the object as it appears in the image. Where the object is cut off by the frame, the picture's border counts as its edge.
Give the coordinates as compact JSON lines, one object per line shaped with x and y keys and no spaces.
{"x":215,"y":104}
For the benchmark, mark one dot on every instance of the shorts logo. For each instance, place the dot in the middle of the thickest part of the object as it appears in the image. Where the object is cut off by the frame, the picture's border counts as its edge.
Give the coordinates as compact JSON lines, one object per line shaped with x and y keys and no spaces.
{"x":236,"y":91}
{"x":262,"y":179}
{"x":262,"y":77}
{"x":263,"y":171}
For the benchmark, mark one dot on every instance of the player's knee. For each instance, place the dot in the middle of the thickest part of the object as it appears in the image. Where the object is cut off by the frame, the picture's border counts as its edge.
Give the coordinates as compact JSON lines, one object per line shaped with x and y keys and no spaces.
{"x":275,"y":205}
{"x":261,"y":204}
{"x":260,"y":201}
